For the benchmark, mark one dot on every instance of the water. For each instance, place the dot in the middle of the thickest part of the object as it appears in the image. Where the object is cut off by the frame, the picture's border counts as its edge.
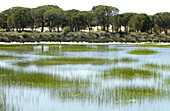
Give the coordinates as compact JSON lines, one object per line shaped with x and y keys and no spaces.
{"x":102,"y":94}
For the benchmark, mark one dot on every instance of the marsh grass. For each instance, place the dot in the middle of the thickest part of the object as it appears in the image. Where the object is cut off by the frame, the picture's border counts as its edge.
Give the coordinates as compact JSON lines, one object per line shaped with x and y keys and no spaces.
{"x":128,"y":73}
{"x":81,"y":48}
{"x":126,"y":60}
{"x":63,"y":61}
{"x":167,"y":81}
{"x":157,"y":66}
{"x":10,"y":77}
{"x":142,"y":52}
{"x":22,"y":64}
{"x":8,"y":57}
{"x":152,"y":45}
{"x":134,"y":94}
{"x":18,"y":48}
{"x":50,"y":53}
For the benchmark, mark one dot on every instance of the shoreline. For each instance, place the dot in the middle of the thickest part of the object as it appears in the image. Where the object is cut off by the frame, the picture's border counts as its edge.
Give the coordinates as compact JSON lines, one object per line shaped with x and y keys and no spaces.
{"x":79,"y":43}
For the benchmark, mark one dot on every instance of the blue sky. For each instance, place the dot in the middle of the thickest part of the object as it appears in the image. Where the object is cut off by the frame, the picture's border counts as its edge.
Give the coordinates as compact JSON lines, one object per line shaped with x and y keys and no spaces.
{"x":139,"y":6}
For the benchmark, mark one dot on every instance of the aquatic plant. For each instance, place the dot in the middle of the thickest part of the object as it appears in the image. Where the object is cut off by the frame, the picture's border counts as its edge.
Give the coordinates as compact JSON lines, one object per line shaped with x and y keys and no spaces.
{"x":142,"y":52}
{"x":81,"y":48}
{"x":18,"y":48}
{"x":167,"y":81}
{"x":128,"y":73}
{"x":8,"y":57}
{"x":157,"y":66}
{"x":19,"y":78}
{"x":132,"y":94}
{"x":62,"y":61}
{"x":152,"y":45}
{"x":126,"y":60}
{"x":49,"y":53}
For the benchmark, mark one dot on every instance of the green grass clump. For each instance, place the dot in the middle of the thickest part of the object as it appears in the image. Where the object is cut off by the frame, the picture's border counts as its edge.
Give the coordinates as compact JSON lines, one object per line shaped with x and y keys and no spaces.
{"x":152,"y":45}
{"x":167,"y":81}
{"x":128,"y":73}
{"x":18,"y":48}
{"x":22,"y":64}
{"x":63,"y":61}
{"x":126,"y":60}
{"x":80,"y":48}
{"x":49,"y":53}
{"x":142,"y":52}
{"x":10,"y":77}
{"x":156,"y":66}
{"x":8,"y":57}
{"x":139,"y":93}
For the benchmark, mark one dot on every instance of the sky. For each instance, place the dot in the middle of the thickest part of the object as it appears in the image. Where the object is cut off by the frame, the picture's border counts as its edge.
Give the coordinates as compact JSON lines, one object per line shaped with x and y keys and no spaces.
{"x":149,"y":7}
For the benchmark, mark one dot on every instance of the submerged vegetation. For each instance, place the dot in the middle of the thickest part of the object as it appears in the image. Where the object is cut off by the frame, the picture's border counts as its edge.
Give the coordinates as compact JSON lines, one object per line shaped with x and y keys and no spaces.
{"x":49,"y":53}
{"x":128,"y":73}
{"x":80,"y":48}
{"x":142,"y":52}
{"x":8,"y":57}
{"x":157,"y":66}
{"x":167,"y":81}
{"x":126,"y":60}
{"x":63,"y":61}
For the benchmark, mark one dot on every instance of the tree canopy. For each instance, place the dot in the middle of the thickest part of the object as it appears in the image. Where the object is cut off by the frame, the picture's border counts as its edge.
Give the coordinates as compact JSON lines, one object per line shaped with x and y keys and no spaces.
{"x":54,"y":17}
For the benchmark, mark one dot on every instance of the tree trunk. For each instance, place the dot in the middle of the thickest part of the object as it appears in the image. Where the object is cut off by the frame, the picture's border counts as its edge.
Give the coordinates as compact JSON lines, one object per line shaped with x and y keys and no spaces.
{"x":107,"y":23}
{"x":103,"y":24}
{"x":58,"y":30}
{"x":166,"y":30}
{"x":42,"y":27}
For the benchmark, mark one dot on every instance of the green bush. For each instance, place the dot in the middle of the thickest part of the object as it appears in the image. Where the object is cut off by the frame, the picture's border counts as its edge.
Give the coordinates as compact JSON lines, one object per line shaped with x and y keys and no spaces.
{"x":66,"y":30}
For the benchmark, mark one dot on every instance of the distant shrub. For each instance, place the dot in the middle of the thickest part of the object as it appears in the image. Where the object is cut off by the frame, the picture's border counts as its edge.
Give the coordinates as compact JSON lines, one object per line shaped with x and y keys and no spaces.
{"x":66,"y":30}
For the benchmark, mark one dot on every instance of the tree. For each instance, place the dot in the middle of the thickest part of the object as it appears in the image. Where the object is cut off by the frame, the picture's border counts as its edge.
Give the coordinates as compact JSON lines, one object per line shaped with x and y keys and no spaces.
{"x":20,"y":18}
{"x":54,"y":18}
{"x":110,"y":11}
{"x":103,"y":14}
{"x":70,"y":16}
{"x":99,"y":13}
{"x":124,"y":18}
{"x":140,"y":22}
{"x":38,"y":14}
{"x":163,"y":20}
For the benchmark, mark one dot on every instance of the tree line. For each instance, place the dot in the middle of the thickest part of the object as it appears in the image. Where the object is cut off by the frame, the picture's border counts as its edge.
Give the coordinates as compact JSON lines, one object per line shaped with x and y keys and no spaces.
{"x":54,"y":17}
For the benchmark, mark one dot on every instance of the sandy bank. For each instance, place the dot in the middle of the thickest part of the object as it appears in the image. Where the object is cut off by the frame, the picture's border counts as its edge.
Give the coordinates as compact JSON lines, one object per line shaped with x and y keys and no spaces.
{"x":80,"y":43}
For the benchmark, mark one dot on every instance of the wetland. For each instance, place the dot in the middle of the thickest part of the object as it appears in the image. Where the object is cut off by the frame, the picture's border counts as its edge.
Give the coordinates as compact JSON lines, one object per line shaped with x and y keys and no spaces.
{"x":90,"y":77}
